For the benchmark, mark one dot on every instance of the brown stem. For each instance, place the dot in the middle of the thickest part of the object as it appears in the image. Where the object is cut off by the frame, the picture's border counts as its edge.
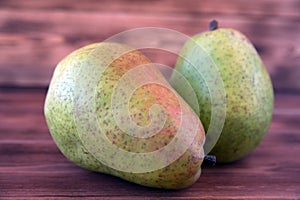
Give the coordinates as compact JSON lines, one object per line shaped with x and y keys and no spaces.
{"x":213,"y":25}
{"x":209,"y":160}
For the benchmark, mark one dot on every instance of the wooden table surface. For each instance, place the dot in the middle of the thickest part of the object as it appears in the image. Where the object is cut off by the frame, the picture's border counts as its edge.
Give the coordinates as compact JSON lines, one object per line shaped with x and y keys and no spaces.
{"x":31,"y":166}
{"x":35,"y":35}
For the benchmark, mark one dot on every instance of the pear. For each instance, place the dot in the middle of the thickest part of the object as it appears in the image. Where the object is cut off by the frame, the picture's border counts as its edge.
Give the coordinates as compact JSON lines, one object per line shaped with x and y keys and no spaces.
{"x":110,"y":110}
{"x":248,"y":98}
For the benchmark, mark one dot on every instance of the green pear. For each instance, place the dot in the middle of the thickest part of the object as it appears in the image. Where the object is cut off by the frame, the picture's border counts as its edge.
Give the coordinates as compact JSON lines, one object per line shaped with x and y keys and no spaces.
{"x":110,"y":110}
{"x":248,"y":96}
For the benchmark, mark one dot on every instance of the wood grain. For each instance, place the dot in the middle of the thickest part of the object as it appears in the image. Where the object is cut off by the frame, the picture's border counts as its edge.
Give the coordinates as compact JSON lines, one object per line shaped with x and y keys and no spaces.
{"x":35,"y":35}
{"x":287,"y":8}
{"x":31,"y":166}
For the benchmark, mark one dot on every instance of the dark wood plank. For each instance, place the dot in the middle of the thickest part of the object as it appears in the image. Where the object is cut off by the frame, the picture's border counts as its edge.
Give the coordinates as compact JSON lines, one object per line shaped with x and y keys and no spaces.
{"x":21,"y":115}
{"x":36,"y":35}
{"x":287,"y":8}
{"x":32,"y":167}
{"x":261,"y":175}
{"x":26,"y":109}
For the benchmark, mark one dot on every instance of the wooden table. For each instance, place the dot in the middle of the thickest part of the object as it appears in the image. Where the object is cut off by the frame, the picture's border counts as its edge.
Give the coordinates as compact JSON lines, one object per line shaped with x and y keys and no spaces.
{"x":31,"y":166}
{"x":35,"y":35}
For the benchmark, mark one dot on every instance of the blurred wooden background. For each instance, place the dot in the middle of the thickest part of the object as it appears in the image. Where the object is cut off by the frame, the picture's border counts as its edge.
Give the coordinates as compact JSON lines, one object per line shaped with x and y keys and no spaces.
{"x":35,"y":35}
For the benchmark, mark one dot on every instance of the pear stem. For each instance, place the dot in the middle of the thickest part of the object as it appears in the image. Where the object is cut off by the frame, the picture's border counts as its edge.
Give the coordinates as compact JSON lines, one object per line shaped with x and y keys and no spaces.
{"x":210,"y":160}
{"x":213,"y":25}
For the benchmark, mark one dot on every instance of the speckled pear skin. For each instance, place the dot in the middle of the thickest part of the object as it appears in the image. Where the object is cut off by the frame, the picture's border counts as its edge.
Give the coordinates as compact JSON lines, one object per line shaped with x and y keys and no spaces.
{"x":59,"y":113}
{"x":249,"y":91}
